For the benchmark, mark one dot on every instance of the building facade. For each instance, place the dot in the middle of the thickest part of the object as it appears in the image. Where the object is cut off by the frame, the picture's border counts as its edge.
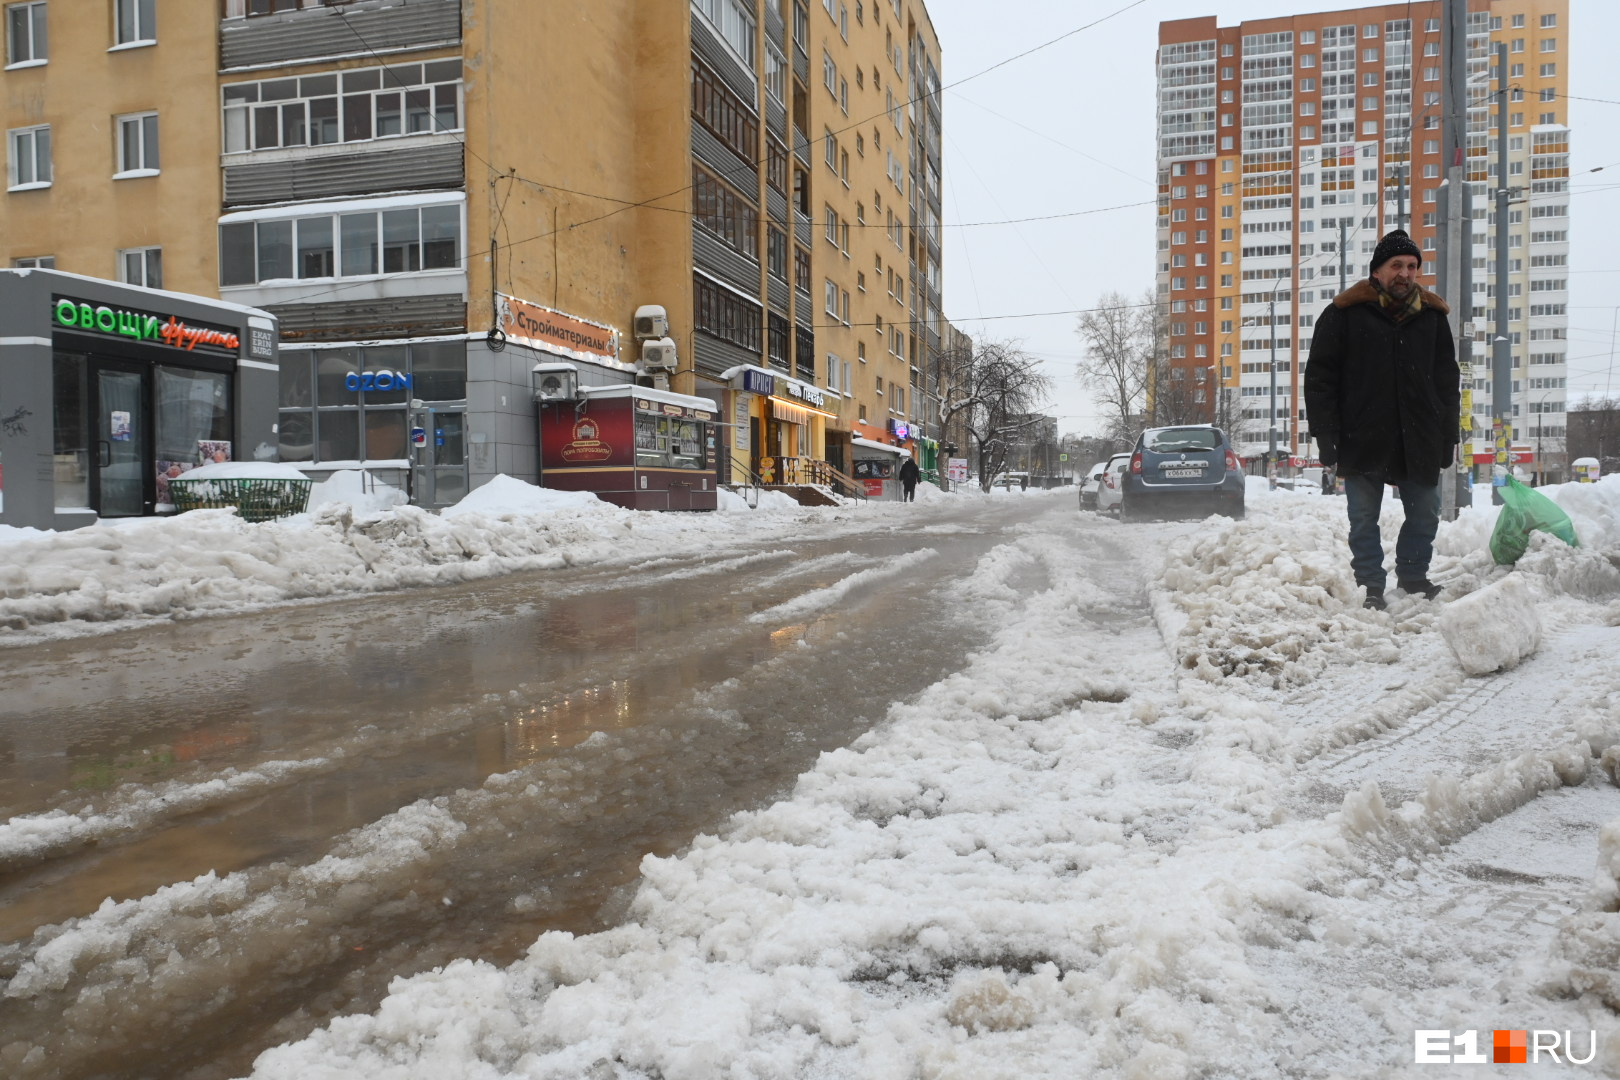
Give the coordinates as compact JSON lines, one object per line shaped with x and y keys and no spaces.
{"x":732,"y":200}
{"x":1288,"y":146}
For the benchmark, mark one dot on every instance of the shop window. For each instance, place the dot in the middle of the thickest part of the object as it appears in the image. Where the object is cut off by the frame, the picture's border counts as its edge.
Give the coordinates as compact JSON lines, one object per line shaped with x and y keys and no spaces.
{"x":26,"y":40}
{"x":70,"y":415}
{"x":135,"y":21}
{"x":318,"y":110}
{"x":669,"y":442}
{"x":400,"y":241}
{"x":193,"y":415}
{"x":28,"y":157}
{"x":137,"y":145}
{"x":324,"y":417}
{"x":141,"y":266}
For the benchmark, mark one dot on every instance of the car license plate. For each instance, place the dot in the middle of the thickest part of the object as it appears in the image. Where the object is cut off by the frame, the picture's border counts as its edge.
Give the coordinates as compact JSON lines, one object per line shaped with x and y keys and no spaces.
{"x":1182,"y":474}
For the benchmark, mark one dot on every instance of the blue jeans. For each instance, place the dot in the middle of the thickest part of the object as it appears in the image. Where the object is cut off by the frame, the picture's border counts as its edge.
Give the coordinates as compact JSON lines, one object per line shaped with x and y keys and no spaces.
{"x":1414,"y":547}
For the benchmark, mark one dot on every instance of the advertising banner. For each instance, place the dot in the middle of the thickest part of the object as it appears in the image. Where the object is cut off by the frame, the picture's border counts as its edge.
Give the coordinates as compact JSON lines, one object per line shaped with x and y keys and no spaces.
{"x":543,"y":328}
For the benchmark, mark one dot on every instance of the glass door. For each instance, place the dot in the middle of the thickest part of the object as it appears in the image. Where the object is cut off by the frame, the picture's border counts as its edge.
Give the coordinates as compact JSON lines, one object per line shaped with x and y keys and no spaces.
{"x":439,"y":468}
{"x":118,"y":481}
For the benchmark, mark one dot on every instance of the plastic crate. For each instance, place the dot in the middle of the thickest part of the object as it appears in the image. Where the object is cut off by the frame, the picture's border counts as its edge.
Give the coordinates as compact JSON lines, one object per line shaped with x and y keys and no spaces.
{"x":253,"y":500}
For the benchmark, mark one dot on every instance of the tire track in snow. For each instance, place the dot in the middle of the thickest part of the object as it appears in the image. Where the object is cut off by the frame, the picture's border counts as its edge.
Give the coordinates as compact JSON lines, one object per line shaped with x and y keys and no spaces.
{"x":822,"y":599}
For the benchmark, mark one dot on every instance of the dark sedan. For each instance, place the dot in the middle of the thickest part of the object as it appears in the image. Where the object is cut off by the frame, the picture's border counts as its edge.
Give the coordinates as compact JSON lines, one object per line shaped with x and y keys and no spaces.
{"x":1185,"y":471}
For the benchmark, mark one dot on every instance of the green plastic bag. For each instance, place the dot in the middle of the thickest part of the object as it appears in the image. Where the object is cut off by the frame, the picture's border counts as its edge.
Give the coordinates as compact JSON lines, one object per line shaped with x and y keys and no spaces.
{"x":1525,"y":510}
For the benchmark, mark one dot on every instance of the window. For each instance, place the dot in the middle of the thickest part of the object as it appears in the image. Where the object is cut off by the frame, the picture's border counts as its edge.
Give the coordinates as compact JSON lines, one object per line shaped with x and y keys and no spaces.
{"x":137,"y":145}
{"x":829,"y":149}
{"x":357,"y":243}
{"x":135,"y":21}
{"x":1549,"y":21}
{"x":405,"y":99}
{"x":26,"y":41}
{"x":28,"y":163}
{"x":829,"y":72}
{"x":141,"y":266}
{"x":830,"y":297}
{"x":725,"y":213}
{"x":36,"y":262}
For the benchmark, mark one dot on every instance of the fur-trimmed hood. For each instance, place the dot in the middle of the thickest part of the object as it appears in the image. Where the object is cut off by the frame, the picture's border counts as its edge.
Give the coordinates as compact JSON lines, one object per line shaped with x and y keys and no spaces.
{"x":1362,"y":292}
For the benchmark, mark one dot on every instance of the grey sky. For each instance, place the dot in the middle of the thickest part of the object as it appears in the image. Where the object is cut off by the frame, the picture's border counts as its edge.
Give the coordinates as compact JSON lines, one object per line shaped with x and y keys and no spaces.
{"x":1070,"y":128}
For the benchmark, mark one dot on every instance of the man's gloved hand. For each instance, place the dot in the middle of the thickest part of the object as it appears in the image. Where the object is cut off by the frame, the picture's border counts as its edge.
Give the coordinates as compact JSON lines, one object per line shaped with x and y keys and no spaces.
{"x":1327,"y":451}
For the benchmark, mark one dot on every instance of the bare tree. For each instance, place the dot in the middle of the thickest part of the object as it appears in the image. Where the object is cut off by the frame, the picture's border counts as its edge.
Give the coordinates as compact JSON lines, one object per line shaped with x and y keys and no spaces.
{"x":1119,"y":346}
{"x":992,"y":392}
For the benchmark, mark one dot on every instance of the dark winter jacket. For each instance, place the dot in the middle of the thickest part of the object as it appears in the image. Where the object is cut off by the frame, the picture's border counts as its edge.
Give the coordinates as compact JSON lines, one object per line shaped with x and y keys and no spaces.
{"x":1381,"y":397}
{"x":909,"y":472}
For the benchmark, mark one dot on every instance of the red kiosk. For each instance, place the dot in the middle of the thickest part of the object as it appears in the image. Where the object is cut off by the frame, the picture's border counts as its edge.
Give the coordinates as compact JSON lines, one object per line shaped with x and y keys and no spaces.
{"x":633,"y":446}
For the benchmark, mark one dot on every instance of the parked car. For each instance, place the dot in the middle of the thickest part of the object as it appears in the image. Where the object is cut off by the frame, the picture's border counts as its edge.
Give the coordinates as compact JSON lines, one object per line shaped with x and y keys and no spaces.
{"x":1111,"y":484}
{"x":1089,"y":485}
{"x":1184,"y":471}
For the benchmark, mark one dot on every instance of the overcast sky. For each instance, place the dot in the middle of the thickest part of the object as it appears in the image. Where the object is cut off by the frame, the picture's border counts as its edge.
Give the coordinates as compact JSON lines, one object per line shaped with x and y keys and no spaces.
{"x":1069,"y":128}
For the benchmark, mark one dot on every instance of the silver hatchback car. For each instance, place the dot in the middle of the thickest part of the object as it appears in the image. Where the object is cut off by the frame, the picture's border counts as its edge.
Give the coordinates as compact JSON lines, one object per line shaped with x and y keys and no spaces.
{"x":1186,"y":471}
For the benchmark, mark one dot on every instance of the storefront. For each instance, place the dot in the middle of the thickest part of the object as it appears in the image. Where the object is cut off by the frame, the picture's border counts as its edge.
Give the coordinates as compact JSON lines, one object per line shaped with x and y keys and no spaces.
{"x":436,"y":417}
{"x":633,"y":446}
{"x":108,"y":391}
{"x":779,"y":426}
{"x":877,"y":468}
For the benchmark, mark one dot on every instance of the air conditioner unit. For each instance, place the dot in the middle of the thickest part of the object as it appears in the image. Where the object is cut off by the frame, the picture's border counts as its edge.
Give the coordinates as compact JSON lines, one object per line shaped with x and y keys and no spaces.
{"x":652,"y":321}
{"x":555,"y":382}
{"x":658,"y":355}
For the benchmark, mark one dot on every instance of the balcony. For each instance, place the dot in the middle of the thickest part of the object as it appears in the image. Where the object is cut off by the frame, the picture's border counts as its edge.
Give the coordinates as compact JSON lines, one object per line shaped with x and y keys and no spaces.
{"x":380,"y":27}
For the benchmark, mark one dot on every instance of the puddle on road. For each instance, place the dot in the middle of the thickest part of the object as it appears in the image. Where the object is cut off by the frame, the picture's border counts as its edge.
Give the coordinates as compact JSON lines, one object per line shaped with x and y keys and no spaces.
{"x":704,"y":712}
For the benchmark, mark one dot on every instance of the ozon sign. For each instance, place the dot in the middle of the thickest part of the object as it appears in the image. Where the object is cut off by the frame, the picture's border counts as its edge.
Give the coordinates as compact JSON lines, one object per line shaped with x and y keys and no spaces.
{"x":381,"y":379}
{"x":171,"y":330}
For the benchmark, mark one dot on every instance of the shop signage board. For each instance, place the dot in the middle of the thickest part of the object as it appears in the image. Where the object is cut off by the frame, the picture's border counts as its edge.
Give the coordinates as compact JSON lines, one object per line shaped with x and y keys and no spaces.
{"x":601,"y":437}
{"x":555,"y":331}
{"x":742,"y":407}
{"x":72,"y":313}
{"x":759,"y":382}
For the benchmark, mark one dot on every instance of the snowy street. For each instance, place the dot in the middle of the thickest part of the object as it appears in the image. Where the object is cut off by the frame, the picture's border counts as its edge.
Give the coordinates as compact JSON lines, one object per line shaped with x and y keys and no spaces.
{"x":976,"y":787}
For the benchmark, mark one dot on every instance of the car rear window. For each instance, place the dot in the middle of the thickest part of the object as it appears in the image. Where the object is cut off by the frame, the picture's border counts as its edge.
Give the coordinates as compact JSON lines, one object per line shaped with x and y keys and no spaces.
{"x":1176,"y":440}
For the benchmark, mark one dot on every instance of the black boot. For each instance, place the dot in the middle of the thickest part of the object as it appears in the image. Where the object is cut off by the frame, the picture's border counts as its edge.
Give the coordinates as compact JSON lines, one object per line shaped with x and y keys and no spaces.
{"x":1420,"y":587}
{"x":1375,"y":598}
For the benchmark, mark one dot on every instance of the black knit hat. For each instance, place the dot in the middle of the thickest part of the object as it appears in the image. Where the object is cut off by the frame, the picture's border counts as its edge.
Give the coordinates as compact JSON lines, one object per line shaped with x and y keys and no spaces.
{"x":1393,"y":244}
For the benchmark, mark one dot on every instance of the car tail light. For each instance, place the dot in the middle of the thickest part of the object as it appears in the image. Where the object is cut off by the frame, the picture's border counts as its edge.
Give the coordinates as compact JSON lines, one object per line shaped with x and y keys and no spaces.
{"x":1232,"y":462}
{"x":1136,"y":463}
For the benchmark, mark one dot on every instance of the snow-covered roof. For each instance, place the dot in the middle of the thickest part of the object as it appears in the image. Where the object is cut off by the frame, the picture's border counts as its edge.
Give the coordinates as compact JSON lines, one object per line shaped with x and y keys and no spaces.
{"x":872,"y":444}
{"x":665,"y":396}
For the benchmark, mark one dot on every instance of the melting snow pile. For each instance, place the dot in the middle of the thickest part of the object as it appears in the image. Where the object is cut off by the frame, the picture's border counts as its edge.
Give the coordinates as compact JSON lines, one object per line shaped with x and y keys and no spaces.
{"x":352,"y":540}
{"x":1492,"y":629}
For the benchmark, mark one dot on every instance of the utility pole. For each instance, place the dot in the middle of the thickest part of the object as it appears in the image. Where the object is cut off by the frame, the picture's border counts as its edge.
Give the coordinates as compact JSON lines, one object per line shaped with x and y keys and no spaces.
{"x":1273,"y":455}
{"x":1502,"y":351}
{"x":1456,"y":232}
{"x":1344,"y":238}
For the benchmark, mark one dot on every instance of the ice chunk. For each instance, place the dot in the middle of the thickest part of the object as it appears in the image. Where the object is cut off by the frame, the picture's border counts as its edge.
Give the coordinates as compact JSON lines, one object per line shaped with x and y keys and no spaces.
{"x":1492,"y":629}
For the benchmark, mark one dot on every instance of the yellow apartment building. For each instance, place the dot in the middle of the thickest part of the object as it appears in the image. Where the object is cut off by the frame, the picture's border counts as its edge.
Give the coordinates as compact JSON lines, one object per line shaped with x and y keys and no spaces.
{"x":731,"y":202}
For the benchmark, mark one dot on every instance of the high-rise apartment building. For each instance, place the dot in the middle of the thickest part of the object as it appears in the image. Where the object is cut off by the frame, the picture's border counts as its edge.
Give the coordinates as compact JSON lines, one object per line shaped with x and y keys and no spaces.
{"x":452,"y":191}
{"x":1288,"y":146}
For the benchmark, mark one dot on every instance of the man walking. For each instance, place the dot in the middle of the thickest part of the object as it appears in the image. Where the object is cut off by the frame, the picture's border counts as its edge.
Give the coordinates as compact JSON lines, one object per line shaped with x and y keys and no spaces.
{"x":908,"y":480}
{"x":1382,"y":399}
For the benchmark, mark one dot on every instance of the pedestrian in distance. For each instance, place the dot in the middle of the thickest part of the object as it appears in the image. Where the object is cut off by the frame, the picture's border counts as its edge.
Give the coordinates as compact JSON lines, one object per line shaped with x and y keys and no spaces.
{"x":909,"y":474}
{"x":1382,"y":399}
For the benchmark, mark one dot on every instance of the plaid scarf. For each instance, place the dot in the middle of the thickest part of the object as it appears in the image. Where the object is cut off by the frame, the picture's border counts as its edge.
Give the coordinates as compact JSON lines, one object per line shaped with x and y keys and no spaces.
{"x":1398,"y":310}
